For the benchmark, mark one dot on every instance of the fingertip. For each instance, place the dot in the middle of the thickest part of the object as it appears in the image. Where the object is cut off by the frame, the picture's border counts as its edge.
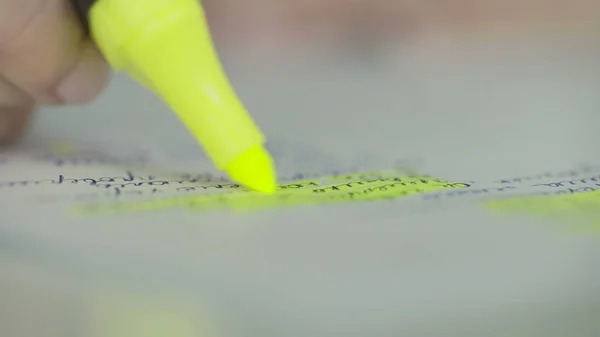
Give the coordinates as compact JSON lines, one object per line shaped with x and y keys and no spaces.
{"x":86,"y":79}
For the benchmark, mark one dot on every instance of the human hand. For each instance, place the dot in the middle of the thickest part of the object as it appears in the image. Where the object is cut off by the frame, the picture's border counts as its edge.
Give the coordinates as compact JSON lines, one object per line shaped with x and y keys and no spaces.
{"x":45,"y":58}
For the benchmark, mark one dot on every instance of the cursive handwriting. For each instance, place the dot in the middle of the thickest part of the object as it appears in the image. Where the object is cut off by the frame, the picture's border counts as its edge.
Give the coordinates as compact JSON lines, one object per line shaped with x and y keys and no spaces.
{"x":574,"y":182}
{"x":293,"y":194}
{"x":552,"y":175}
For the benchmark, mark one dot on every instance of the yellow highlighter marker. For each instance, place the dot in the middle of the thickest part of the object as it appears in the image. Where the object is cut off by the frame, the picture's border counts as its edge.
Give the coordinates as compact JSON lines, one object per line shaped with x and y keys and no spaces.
{"x":166,"y":46}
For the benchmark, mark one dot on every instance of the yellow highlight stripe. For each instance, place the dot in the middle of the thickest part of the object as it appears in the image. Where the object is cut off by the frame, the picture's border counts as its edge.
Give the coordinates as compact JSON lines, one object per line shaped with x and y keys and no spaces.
{"x":360,"y":187}
{"x":582,"y":209}
{"x":113,"y":314}
{"x":64,"y":148}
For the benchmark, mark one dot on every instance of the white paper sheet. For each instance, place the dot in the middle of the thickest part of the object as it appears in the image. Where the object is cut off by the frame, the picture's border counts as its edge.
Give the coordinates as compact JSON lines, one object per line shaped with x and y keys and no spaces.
{"x":439,"y":262}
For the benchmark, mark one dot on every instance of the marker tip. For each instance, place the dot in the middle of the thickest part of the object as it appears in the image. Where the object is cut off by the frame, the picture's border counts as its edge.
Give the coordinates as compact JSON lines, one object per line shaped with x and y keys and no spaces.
{"x":254,"y":169}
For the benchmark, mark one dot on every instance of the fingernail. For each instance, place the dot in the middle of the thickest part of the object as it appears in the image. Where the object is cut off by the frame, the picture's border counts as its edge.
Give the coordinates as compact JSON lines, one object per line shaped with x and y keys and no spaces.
{"x":85,"y":80}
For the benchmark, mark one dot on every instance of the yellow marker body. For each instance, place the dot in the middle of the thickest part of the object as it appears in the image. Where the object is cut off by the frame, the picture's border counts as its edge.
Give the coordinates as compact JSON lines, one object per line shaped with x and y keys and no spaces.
{"x":166,"y":46}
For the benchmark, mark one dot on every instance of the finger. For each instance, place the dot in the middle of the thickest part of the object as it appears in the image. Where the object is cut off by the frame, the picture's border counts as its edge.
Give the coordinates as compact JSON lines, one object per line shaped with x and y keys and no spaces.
{"x":44,"y":52}
{"x":86,"y":78}
{"x":16,"y":110}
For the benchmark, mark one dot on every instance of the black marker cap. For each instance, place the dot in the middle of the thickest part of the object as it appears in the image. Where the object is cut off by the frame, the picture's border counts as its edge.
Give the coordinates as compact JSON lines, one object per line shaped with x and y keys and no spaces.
{"x":82,"y":8}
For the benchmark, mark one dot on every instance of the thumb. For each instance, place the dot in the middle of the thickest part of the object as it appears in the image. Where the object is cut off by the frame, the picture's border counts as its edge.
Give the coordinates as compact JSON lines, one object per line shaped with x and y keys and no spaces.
{"x":44,"y":52}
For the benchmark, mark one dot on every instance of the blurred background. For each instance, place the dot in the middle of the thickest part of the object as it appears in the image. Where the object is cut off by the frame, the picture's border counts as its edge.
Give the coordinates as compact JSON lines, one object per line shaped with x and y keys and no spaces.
{"x":270,"y":24}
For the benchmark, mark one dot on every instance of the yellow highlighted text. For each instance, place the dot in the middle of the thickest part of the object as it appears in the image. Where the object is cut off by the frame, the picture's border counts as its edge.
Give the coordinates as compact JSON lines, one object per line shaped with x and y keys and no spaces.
{"x":357,"y":187}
